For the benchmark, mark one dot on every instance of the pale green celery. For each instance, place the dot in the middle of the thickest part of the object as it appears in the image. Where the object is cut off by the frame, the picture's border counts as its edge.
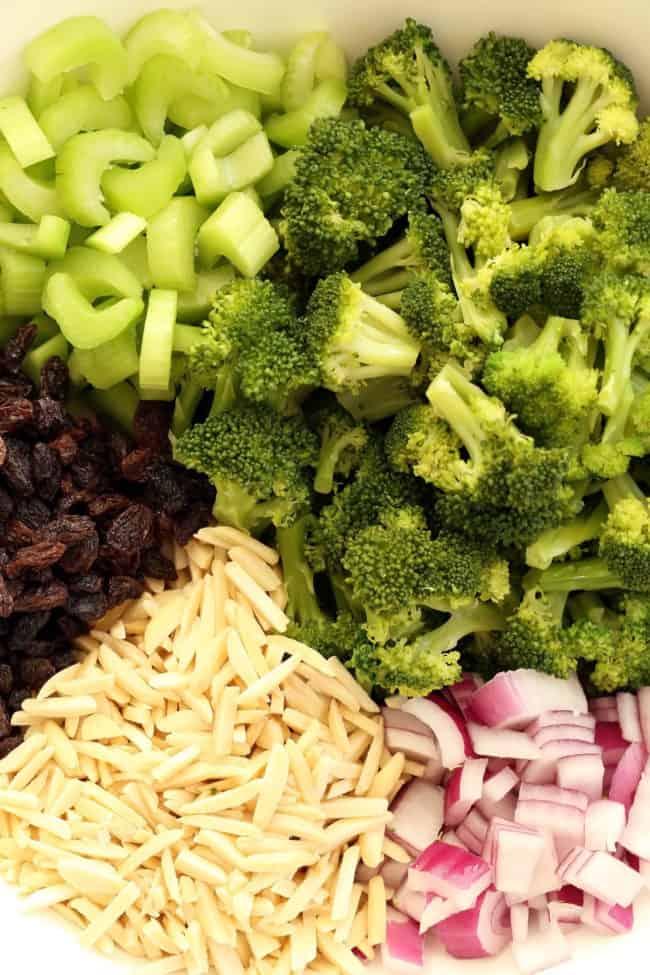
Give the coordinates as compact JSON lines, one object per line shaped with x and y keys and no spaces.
{"x":157,"y":340}
{"x":149,"y":188}
{"x":162,"y":32}
{"x":192,"y":138}
{"x":7,"y":212}
{"x":240,"y":232}
{"x":162,"y":82}
{"x":118,"y":404}
{"x":36,"y":358}
{"x":272,"y":103}
{"x":190,"y":111}
{"x":86,"y":327}
{"x":83,"y":110}
{"x":134,"y":257}
{"x":284,"y":170}
{"x":300,"y":75}
{"x":253,"y":195}
{"x":26,"y":138}
{"x":249,"y":69}
{"x":292,"y":128}
{"x":193,"y":306}
{"x":186,"y":337}
{"x":118,"y":234}
{"x":81,"y":164}
{"x":98,"y":275}
{"x":47,"y":239}
{"x":42,"y":94}
{"x":46,"y":329}
{"x":30,"y":196}
{"x":23,"y":279}
{"x":171,"y":239}
{"x":239,"y":36}
{"x":331,"y":61}
{"x":75,"y":43}
{"x":233,"y":154}
{"x":77,"y":378}
{"x":111,"y":363}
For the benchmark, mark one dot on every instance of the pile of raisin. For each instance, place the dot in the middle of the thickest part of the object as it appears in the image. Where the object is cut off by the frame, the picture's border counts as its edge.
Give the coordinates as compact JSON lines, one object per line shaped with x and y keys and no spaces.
{"x":84,"y":513}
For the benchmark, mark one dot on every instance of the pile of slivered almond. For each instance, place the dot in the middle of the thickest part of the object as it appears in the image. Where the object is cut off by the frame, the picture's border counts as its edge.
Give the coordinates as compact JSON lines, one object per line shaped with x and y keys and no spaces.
{"x":199,"y":789}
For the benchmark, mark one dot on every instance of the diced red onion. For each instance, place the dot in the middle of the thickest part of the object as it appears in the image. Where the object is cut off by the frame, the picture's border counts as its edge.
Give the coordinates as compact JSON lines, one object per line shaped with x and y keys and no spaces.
{"x":477,"y":823}
{"x":420,"y":748}
{"x":515,"y":698}
{"x":393,"y":873}
{"x":643,"y":697}
{"x":446,"y":728}
{"x":517,"y":854}
{"x":543,"y":770}
{"x":583,"y":773}
{"x":410,"y":902}
{"x":463,"y":789}
{"x":395,"y":717}
{"x":553,"y":793}
{"x":544,"y":949}
{"x":607,"y":918}
{"x":403,"y":950}
{"x":410,"y":828}
{"x":450,"y":872}
{"x":628,"y":774}
{"x":480,"y":931}
{"x":566,"y":905}
{"x":603,"y":876}
{"x":563,"y":732}
{"x":552,"y":719}
{"x":452,"y":838}
{"x":519,"y":922}
{"x":603,"y":703}
{"x":636,"y":837}
{"x":469,"y":840}
{"x":502,"y":742}
{"x":604,"y":825}
{"x":612,"y":742}
{"x":565,"y":823}
{"x":437,"y":909}
{"x":500,"y":784}
{"x":498,"y":764}
{"x":627,"y":708}
{"x":462,"y":692}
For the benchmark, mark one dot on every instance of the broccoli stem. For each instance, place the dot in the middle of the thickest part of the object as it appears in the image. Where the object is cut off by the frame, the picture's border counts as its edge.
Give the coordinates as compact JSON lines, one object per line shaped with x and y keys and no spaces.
{"x":620,"y":348}
{"x":380,"y":340}
{"x":587,"y":574}
{"x":477,"y":618}
{"x":525,"y":213}
{"x":622,"y":488}
{"x":330,"y":454}
{"x":564,"y":138}
{"x":187,"y":401}
{"x":557,"y":542}
{"x":440,"y":134}
{"x":398,"y":255}
{"x":378,"y":398}
{"x":298,"y":576}
{"x":225,"y":391}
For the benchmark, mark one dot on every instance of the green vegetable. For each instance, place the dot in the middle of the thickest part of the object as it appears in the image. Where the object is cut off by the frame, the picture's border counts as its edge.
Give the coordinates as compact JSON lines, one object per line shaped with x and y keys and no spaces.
{"x":146,"y":190}
{"x":110,"y":363}
{"x":37,"y":357}
{"x":118,"y":233}
{"x":157,"y":341}
{"x":233,"y":154}
{"x":238,"y":231}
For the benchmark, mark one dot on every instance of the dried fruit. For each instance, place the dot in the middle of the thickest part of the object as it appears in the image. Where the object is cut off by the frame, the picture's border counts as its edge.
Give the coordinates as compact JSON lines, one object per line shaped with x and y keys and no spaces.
{"x":39,"y":556}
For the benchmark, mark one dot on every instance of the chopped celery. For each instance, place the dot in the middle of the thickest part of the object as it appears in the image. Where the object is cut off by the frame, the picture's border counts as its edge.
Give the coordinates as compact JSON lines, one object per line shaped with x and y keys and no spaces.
{"x":81,"y":165}
{"x":157,"y":340}
{"x":47,"y":239}
{"x":284,"y":170}
{"x":30,"y":196}
{"x":118,"y":234}
{"x":239,"y":231}
{"x":26,"y":138}
{"x":84,"y":326}
{"x":99,"y":275}
{"x":171,"y":239}
{"x":23,"y":278}
{"x":162,"y":32}
{"x":232,"y":154}
{"x":239,"y":36}
{"x":193,"y":306}
{"x":42,"y":94}
{"x":190,"y":111}
{"x":75,"y":43}
{"x":249,"y":69}
{"x":118,"y":404}
{"x":83,"y":110}
{"x":77,"y":378}
{"x":330,"y":61}
{"x":186,"y":337}
{"x":134,"y":257}
{"x":46,"y":329}
{"x":36,"y":358}
{"x":300,"y":76}
{"x":292,"y":128}
{"x":149,"y":188}
{"x":110,"y":363}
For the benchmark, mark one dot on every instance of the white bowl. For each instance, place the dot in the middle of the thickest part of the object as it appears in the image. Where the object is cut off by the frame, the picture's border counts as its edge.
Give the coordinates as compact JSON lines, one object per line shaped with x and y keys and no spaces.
{"x":39,"y":944}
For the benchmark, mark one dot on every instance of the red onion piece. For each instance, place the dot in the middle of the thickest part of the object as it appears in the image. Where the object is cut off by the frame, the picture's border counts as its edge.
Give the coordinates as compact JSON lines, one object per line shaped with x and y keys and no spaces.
{"x":410,"y":902}
{"x":394,"y":717}
{"x":583,"y":773}
{"x":643,"y":698}
{"x":543,"y":770}
{"x":437,"y":909}
{"x":603,"y":703}
{"x":516,"y":698}
{"x":452,"y":838}
{"x":412,"y":830}
{"x":499,"y":785}
{"x":445,"y":726}
{"x":403,"y":950}
{"x":480,"y":931}
{"x":502,"y":809}
{"x":628,"y":774}
{"x":517,"y":854}
{"x":420,"y":748}
{"x":477,"y":823}
{"x":544,"y":949}
{"x":553,"y":793}
{"x":450,"y":872}
{"x":604,"y":825}
{"x":469,"y":840}
{"x":463,"y":790}
{"x":502,"y":742}
{"x":627,"y":708}
{"x":552,"y":719}
{"x":566,"y":905}
{"x":519,"y":922}
{"x":462,"y":692}
{"x":603,"y":876}
{"x":605,"y":918}
{"x":636,"y":838}
{"x":612,"y":742}
{"x":565,"y":823}
{"x":563,"y":732}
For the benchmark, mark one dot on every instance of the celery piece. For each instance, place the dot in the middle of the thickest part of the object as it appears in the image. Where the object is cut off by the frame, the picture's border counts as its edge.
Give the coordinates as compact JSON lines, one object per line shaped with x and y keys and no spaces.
{"x":81,"y":165}
{"x":77,"y":378}
{"x":83,"y":110}
{"x":30,"y":196}
{"x":239,"y":36}
{"x":26,"y":138}
{"x":134,"y":258}
{"x":42,"y":94}
{"x":149,"y":188}
{"x":36,"y":358}
{"x":23,"y":278}
{"x":186,"y":337}
{"x":292,"y":128}
{"x":192,"y":138}
{"x":300,"y":75}
{"x":232,"y":154}
{"x":48,"y":239}
{"x":239,"y":231}
{"x":118,"y":404}
{"x":118,"y":234}
{"x":171,"y":239}
{"x":98,"y":275}
{"x":75,"y":43}
{"x":249,"y":69}
{"x":46,"y":329}
{"x":162,"y":32}
{"x":7,"y":212}
{"x":284,"y":170}
{"x":111,"y":363}
{"x":190,"y":111}
{"x":84,"y":326}
{"x":193,"y":306}
{"x":157,"y":340}
{"x":330,"y":61}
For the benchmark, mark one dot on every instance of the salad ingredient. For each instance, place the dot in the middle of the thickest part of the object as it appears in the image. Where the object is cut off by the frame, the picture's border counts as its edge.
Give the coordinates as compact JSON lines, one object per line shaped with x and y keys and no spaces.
{"x":231,"y":768}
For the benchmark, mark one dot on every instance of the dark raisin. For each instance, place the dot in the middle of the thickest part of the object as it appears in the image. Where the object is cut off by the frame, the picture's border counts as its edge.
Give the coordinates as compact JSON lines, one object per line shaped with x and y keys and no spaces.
{"x":66,"y":447}
{"x":32,"y":512}
{"x":131,"y":530}
{"x":18,"y":534}
{"x":188,"y":523}
{"x":81,"y":557}
{"x":153,"y":563}
{"x":47,"y":596}
{"x":70,"y":529}
{"x":151,"y":425}
{"x":86,"y":473}
{"x":90,"y":582}
{"x":17,"y":467}
{"x":107,"y":504}
{"x":46,"y":468}
{"x":26,"y":628}
{"x":8,"y":744}
{"x":5,"y":722}
{"x":54,"y":378}
{"x":112,"y":562}
{"x":17,"y":347}
{"x":35,"y":672}
{"x":165,"y":490}
{"x":64,"y":659}
{"x":87,"y":606}
{"x":49,"y":417}
{"x":135,"y":466}
{"x":18,"y":387}
{"x":73,"y":502}
{"x":69,"y":627}
{"x":118,"y":448}
{"x":6,"y":504}
{"x":121,"y":588}
{"x":38,"y":556}
{"x":6,"y":680}
{"x":15,"y":415}
{"x":6,"y":600}
{"x":16,"y":699}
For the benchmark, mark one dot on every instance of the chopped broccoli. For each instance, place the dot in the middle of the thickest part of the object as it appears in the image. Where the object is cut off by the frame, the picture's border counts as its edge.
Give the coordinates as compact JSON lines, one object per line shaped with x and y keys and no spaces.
{"x":526,"y":213}
{"x":378,"y":398}
{"x":257,"y":460}
{"x":632,"y":170}
{"x":615,"y":642}
{"x":450,"y":187}
{"x":510,"y":168}
{"x":556,"y":543}
{"x":588,"y":99}
{"x":622,"y":220}
{"x":342,"y":440}
{"x":351,"y":184}
{"x":407,"y":71}
{"x":533,"y":637}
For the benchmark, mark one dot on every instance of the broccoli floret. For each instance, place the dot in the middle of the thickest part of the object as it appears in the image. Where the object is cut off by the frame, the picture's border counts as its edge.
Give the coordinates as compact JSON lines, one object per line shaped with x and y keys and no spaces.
{"x":421,"y":443}
{"x":548,"y":384}
{"x":599,"y":171}
{"x":616,"y":643}
{"x":588,"y":100}
{"x":407,"y":71}
{"x":632,"y":170}
{"x":423,"y":248}
{"x":495,"y":81}
{"x":533,"y":637}
{"x":342,"y":439}
{"x":499,"y":485}
{"x":351,"y":185}
{"x":622,"y":220}
{"x":378,"y":398}
{"x":514,"y":281}
{"x":510,"y":167}
{"x":525,"y":214}
{"x":352,"y":337}
{"x":257,"y":460}
{"x":450,"y":187}
{"x":557,"y":543}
